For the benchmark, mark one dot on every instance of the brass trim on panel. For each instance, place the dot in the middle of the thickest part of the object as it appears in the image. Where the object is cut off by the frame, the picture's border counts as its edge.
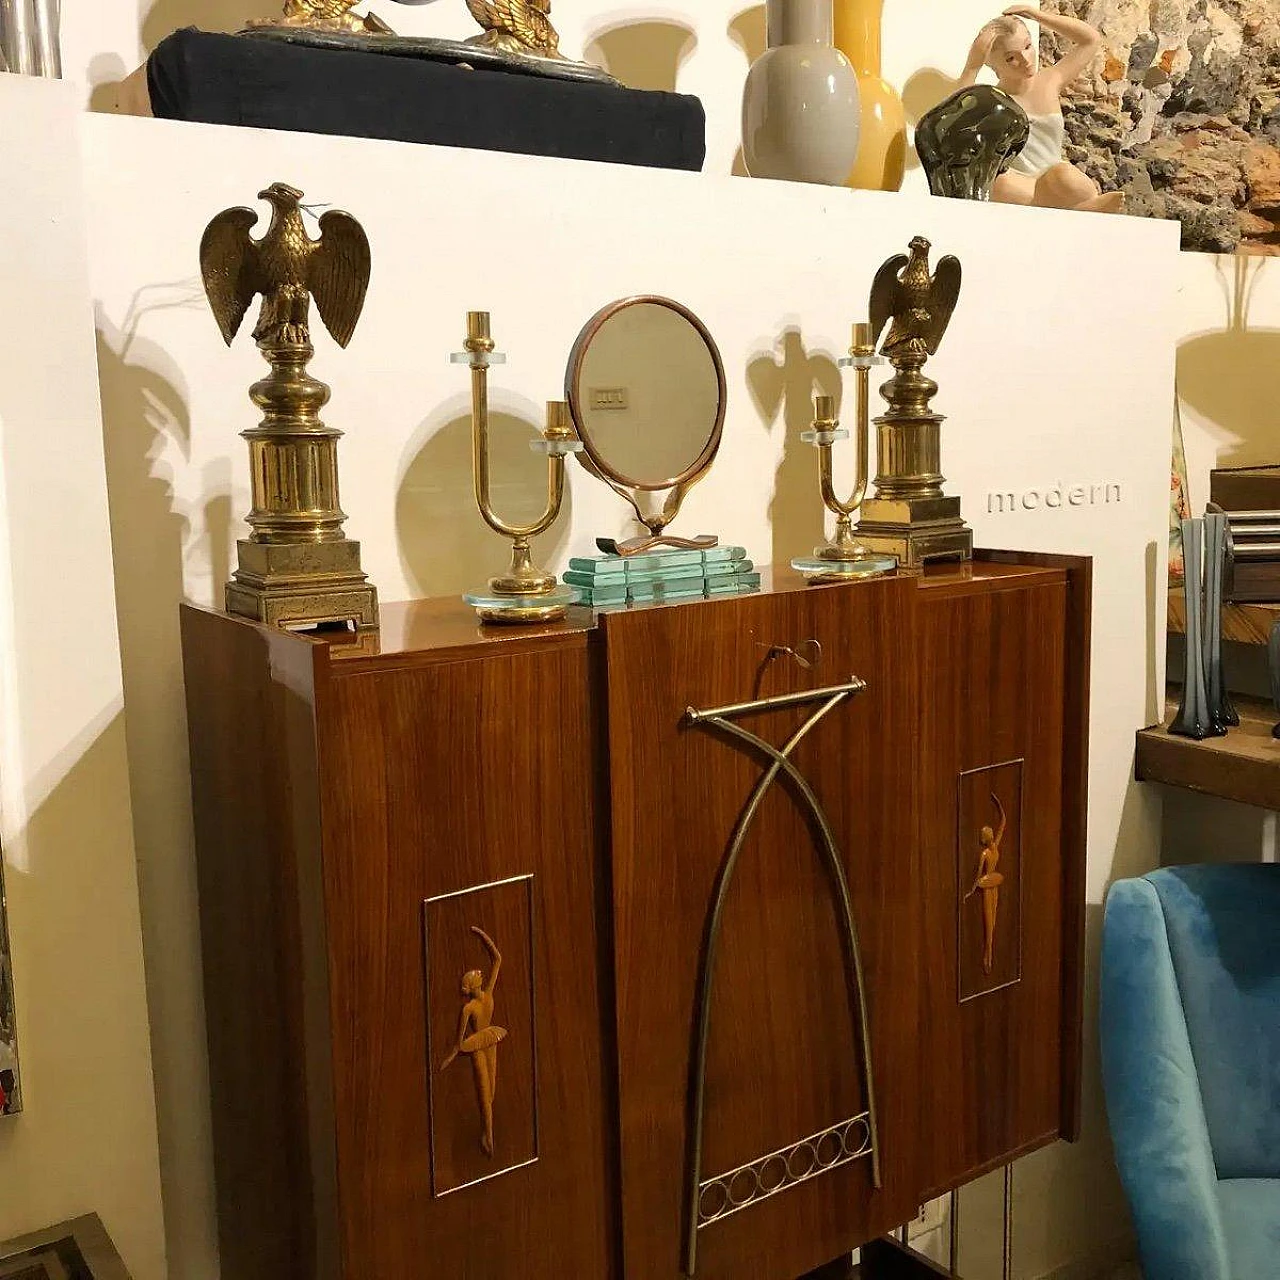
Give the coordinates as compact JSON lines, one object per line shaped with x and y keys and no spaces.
{"x":427,"y":903}
{"x":721,"y":719}
{"x":821,"y":1160}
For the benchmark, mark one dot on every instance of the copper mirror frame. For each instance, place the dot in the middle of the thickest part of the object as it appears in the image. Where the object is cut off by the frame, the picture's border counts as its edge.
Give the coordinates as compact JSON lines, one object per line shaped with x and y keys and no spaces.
{"x":628,"y":487}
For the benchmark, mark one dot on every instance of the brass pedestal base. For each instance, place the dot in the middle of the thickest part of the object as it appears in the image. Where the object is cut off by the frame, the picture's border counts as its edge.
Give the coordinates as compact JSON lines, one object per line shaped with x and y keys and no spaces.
{"x":916,"y":530}
{"x":521,"y":616}
{"x":299,"y":585}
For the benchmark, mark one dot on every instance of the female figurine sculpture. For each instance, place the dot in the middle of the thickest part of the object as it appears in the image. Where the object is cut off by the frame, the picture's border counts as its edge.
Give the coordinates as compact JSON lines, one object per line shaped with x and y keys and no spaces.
{"x":988,"y":883}
{"x":1040,"y":175}
{"x":478,"y":1038}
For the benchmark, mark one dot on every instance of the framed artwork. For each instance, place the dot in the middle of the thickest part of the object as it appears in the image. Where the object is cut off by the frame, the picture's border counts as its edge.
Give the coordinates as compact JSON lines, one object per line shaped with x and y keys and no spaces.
{"x":1182,"y":114}
{"x":76,"y":1250}
{"x":10,"y":1081}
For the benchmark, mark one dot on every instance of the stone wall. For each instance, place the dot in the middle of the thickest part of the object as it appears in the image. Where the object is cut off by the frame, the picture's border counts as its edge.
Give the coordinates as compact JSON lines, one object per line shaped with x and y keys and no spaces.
{"x":1182,"y":113}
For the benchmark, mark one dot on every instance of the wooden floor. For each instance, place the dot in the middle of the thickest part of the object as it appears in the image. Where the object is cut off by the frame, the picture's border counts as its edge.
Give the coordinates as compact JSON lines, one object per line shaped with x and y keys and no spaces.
{"x":1244,"y":766}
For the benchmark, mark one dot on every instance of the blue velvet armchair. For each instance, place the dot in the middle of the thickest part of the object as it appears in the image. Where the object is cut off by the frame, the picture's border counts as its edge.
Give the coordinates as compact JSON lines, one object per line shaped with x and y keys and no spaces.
{"x":1191,"y":1066}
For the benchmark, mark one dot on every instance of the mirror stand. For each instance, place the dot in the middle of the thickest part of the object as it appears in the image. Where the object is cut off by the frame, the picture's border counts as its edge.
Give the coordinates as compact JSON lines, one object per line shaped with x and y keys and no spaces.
{"x":525,"y":593}
{"x":655,"y":522}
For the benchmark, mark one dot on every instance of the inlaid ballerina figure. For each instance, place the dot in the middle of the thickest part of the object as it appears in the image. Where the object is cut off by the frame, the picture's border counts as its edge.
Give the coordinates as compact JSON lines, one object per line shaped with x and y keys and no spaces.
{"x":478,"y":1038}
{"x":988,"y":882}
{"x":1041,"y":175}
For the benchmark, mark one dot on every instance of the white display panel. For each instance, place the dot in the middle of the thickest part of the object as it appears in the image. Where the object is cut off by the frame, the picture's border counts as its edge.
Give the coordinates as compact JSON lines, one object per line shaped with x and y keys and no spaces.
{"x":86,"y":1141}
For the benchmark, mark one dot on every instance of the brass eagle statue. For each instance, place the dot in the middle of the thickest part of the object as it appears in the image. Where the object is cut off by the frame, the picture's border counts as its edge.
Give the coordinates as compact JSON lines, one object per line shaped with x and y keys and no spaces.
{"x":288,"y":269}
{"x":521,"y":27}
{"x":325,"y":15}
{"x":918,"y":304}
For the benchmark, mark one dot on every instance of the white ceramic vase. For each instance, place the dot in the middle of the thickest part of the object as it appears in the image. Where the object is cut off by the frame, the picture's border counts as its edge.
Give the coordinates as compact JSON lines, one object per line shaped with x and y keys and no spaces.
{"x":800,"y":108}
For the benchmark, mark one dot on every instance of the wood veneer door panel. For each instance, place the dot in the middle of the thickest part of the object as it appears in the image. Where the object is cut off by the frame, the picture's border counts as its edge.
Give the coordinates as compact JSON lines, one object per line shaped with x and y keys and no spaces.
{"x":782,"y":1059}
{"x":462,"y":794}
{"x":992,"y":740}
{"x":253,"y":780}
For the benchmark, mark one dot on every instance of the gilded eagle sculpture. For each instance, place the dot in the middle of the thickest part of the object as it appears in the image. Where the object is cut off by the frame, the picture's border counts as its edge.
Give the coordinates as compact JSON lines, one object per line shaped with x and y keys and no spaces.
{"x":288,"y":268}
{"x":298,"y":568}
{"x":909,"y":516}
{"x":326,"y":15}
{"x":521,"y":27}
{"x":919,"y":305}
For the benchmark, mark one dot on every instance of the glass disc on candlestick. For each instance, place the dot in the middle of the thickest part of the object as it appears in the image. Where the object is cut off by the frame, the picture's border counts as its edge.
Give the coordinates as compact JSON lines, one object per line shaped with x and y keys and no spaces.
{"x":518,"y":610}
{"x":818,"y":570}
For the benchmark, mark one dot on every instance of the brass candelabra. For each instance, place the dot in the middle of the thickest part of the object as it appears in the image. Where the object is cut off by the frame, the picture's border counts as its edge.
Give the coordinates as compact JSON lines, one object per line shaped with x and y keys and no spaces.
{"x":845,"y":557}
{"x":525,"y":593}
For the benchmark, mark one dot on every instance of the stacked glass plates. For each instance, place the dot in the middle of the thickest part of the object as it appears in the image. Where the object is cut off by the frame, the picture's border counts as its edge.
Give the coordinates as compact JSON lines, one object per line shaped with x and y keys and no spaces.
{"x":665,"y":574}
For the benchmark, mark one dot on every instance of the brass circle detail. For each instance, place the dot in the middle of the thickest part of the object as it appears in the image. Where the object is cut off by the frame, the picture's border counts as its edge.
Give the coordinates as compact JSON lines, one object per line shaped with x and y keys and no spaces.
{"x":806,"y":1150}
{"x":773,"y":1174}
{"x":718,"y":1194}
{"x":744,"y":1186}
{"x":829,"y":1150}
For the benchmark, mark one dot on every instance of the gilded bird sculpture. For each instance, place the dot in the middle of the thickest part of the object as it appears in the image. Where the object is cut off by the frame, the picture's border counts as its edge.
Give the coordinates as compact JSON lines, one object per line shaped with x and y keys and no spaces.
{"x":326,"y":15}
{"x":919,"y":305}
{"x":288,"y":268}
{"x":521,"y":27}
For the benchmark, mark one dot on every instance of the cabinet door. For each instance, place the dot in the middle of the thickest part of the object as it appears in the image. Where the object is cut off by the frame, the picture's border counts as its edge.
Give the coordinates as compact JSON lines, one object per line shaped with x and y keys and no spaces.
{"x":461,"y":796}
{"x":991,"y":834}
{"x":780,"y":1185}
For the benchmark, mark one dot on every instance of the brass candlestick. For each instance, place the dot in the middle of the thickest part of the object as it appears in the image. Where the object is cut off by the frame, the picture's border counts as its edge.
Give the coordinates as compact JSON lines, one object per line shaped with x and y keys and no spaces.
{"x":845,"y":557}
{"x":910,"y":517}
{"x":297,"y":569}
{"x":525,"y":593}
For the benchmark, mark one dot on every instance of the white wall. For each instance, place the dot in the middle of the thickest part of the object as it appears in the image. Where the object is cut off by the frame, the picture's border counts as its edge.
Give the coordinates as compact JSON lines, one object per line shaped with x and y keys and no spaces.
{"x":701,"y":47}
{"x":86,"y":1141}
{"x":1051,"y":375}
{"x":1229,"y":350}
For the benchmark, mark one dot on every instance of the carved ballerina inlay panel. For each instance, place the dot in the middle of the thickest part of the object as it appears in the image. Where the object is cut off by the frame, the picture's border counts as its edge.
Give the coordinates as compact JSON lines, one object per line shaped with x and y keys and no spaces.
{"x":989,"y":879}
{"x":481,"y":1036}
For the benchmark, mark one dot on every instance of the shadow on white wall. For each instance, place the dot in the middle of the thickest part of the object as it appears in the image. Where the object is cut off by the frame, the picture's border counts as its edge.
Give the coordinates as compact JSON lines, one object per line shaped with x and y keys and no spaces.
{"x":445,"y":546}
{"x":145,"y":421}
{"x":783,"y":383}
{"x":643,"y":55}
{"x":1227,"y":375}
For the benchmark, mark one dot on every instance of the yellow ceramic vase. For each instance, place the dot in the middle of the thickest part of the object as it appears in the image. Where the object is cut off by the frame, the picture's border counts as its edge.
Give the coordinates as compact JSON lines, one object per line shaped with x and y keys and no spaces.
{"x":882,"y":154}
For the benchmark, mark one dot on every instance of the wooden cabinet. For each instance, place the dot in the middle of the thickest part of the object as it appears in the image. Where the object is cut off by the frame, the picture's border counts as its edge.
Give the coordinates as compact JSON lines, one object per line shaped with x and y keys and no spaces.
{"x":640,"y":941}
{"x":1003,"y":742}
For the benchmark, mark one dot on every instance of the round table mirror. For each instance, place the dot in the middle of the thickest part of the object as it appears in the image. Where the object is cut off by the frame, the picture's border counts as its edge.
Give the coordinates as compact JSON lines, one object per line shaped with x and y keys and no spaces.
{"x":646,"y":388}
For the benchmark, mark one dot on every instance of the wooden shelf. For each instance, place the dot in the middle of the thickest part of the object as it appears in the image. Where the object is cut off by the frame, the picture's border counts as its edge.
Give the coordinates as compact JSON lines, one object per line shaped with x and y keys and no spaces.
{"x":1244,"y":623}
{"x":1243,"y":766}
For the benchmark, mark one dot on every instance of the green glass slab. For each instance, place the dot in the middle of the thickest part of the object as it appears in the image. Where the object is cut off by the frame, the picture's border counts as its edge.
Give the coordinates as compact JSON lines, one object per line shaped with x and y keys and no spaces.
{"x":733,"y":584}
{"x":716,"y":555}
{"x":729,"y":568}
{"x":604,"y":595}
{"x":687,"y":573}
{"x":605,"y":567}
{"x":657,"y":561}
{"x":648,"y":592}
{"x":593,"y":580}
